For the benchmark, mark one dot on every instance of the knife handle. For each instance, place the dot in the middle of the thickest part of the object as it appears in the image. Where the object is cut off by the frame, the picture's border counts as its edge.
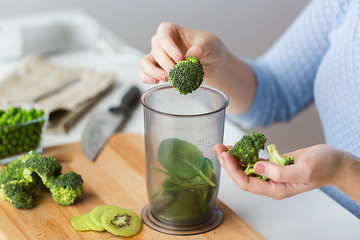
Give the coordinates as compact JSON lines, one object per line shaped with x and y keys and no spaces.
{"x":129,"y":100}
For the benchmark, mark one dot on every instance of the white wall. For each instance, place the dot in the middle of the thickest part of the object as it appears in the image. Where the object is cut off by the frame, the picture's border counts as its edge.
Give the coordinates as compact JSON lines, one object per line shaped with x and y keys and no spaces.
{"x":247,"y":27}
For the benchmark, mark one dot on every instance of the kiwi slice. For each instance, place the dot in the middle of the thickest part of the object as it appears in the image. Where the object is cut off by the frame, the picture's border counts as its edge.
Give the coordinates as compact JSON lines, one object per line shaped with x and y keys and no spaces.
{"x":97,"y":212}
{"x":92,"y":225}
{"x":78,"y":223}
{"x":122,"y":222}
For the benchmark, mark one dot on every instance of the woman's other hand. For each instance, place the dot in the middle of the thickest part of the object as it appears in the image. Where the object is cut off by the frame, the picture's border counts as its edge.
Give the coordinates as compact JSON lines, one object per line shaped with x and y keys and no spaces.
{"x":314,"y":167}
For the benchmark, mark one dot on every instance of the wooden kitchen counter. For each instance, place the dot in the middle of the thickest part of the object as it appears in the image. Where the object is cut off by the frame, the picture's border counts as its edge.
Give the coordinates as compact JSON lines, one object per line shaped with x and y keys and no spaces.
{"x":117,"y":177}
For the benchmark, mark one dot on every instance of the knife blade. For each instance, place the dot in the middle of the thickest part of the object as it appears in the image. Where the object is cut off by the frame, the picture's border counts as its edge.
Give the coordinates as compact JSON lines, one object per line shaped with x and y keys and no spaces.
{"x":104,"y":124}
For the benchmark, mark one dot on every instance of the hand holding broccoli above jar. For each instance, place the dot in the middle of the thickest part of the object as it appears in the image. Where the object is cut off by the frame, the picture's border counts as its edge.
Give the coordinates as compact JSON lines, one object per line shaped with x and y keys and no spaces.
{"x":173,"y":44}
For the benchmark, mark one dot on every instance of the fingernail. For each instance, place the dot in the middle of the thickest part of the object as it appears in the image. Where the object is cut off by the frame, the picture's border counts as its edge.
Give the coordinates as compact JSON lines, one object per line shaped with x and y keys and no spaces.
{"x":154,"y":80}
{"x":259,"y":168}
{"x":219,"y":157}
{"x":164,"y":77}
{"x":177,"y":58}
{"x":222,"y":157}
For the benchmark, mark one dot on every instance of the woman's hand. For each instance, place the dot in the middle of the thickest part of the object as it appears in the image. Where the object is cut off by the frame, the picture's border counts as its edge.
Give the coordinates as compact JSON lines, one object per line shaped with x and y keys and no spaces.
{"x":172,"y":44}
{"x":223,"y":70}
{"x":314,"y":167}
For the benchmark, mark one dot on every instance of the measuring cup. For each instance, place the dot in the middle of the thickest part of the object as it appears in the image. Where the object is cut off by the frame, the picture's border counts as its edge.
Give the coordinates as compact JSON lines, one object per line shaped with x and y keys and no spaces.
{"x":182,"y":170}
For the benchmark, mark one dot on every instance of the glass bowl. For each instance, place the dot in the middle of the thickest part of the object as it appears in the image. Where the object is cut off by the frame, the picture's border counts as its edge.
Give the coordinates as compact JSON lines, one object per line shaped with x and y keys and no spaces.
{"x":21,"y":137}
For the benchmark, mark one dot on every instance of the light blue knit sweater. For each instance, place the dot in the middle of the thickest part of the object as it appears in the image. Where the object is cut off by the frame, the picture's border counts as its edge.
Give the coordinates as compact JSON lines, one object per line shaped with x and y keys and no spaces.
{"x":316,"y":59}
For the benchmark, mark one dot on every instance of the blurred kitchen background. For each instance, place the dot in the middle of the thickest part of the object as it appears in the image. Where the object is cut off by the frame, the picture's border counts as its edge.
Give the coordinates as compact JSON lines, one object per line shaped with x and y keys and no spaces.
{"x":248,"y":28}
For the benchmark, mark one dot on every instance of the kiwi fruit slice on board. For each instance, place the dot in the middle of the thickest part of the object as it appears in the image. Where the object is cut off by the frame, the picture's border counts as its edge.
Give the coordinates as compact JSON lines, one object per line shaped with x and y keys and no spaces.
{"x":92,"y":225}
{"x":121,"y":222}
{"x":97,"y":212}
{"x":78,"y":223}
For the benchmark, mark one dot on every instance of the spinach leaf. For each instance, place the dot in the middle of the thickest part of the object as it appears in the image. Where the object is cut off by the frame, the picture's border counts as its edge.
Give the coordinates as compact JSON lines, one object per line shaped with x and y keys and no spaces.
{"x":182,"y":159}
{"x":189,"y":182}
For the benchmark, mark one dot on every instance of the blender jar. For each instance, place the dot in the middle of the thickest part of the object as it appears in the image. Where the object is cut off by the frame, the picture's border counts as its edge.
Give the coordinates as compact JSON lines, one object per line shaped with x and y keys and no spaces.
{"x":182,"y":170}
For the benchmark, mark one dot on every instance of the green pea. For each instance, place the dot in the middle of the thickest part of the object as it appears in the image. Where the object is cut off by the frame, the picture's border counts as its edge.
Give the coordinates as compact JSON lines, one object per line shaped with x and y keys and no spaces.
{"x":12,"y":110}
{"x":39,"y":113}
{"x":32,"y":111}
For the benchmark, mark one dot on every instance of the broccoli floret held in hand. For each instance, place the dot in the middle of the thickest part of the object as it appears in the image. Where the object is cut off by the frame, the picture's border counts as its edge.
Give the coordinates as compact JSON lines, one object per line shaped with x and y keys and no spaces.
{"x":248,"y":148}
{"x":275,"y":156}
{"x":187,"y":75}
{"x":247,"y":151}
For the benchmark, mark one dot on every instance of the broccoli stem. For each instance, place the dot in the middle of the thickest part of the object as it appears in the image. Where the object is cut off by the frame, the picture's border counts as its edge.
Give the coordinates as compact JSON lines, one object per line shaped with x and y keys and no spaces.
{"x":249,"y":169}
{"x":275,"y":156}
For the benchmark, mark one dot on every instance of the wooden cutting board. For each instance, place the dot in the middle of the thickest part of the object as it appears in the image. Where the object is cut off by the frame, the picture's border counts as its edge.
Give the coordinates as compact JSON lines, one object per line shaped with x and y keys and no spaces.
{"x":116,"y":177}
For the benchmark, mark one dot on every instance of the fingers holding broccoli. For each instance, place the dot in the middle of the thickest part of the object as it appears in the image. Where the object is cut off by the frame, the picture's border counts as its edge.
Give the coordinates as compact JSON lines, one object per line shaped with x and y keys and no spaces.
{"x":247,"y":149}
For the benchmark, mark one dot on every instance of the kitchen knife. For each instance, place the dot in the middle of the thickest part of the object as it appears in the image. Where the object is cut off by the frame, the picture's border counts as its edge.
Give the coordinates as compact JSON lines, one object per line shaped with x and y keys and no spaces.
{"x":104,"y":124}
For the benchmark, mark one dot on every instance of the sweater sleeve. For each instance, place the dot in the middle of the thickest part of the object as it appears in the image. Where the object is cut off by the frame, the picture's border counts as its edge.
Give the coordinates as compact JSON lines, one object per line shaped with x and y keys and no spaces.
{"x":285,"y":73}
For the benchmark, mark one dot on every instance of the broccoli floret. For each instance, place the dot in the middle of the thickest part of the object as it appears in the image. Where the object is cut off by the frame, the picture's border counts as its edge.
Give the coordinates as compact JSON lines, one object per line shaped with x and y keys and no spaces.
{"x":187,"y":76}
{"x":247,"y":151}
{"x":66,"y":188}
{"x":17,"y":181}
{"x":43,"y":168}
{"x":19,"y":193}
{"x":14,"y":170}
{"x":275,"y":156}
{"x":248,"y":147}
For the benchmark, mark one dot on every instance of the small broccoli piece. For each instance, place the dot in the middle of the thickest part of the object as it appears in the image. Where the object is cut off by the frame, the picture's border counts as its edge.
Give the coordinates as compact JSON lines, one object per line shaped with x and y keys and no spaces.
{"x":187,"y":76}
{"x":14,"y":170}
{"x":275,"y":156}
{"x":248,"y":147}
{"x":247,"y":151}
{"x":19,"y":193}
{"x":66,"y":188}
{"x":44,"y":167}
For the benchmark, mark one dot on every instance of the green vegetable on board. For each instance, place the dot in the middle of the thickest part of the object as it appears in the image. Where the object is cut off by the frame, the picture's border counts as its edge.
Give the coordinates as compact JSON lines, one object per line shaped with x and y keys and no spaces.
{"x":20,"y":178}
{"x":118,"y":221}
{"x":19,"y":193}
{"x":66,"y":188}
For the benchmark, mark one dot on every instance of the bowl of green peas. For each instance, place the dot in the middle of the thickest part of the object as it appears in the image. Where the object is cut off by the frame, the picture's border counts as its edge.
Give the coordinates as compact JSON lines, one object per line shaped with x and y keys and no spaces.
{"x":22,"y":130}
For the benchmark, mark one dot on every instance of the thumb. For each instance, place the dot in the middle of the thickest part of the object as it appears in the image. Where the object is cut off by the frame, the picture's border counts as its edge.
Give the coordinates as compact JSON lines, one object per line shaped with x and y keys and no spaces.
{"x":277,"y":172}
{"x":194,"y":51}
{"x":199,"y":49}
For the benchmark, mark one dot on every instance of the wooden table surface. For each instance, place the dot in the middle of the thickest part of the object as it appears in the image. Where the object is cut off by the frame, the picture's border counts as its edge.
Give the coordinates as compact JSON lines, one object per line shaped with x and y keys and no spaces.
{"x":117,"y":177}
